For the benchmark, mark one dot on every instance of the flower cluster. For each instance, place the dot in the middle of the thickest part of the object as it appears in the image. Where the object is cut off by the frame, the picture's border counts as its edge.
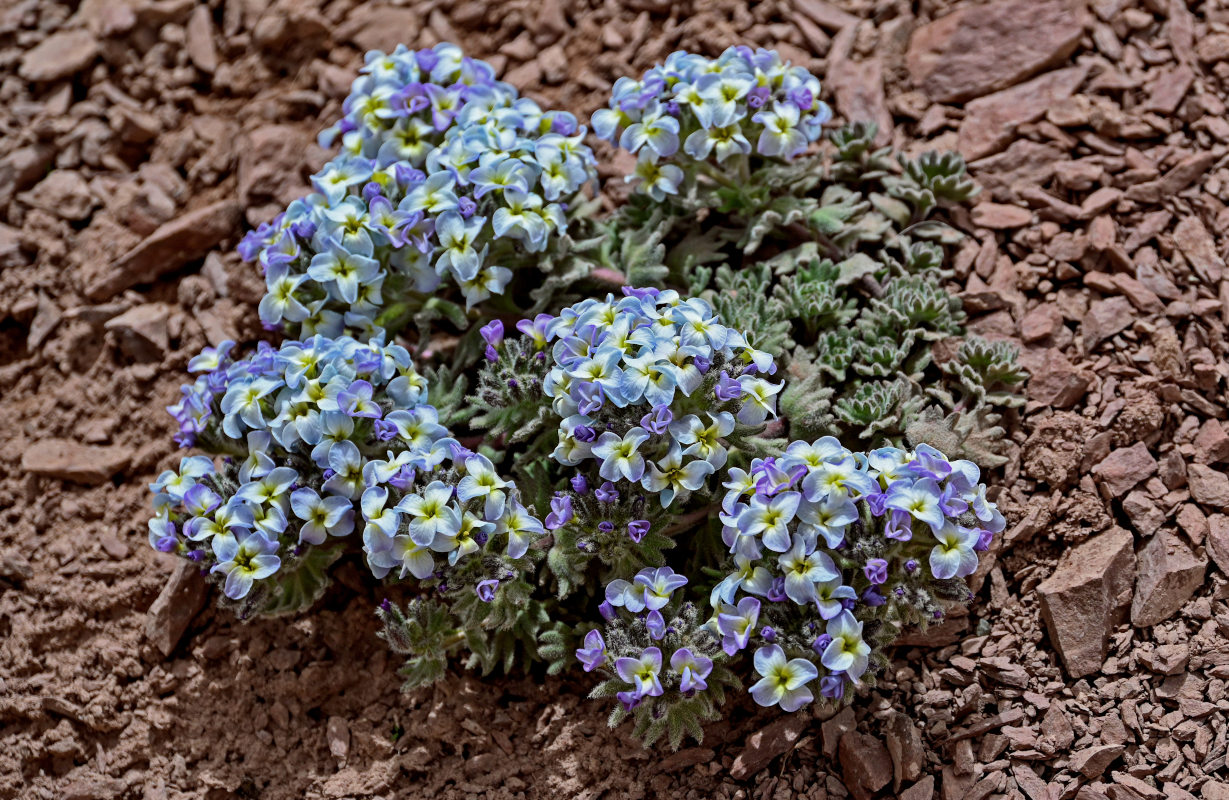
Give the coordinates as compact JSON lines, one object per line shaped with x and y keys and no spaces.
{"x":300,"y":426}
{"x":694,"y":111}
{"x":444,"y":171}
{"x":453,"y":511}
{"x":648,"y":386}
{"x":825,"y":541}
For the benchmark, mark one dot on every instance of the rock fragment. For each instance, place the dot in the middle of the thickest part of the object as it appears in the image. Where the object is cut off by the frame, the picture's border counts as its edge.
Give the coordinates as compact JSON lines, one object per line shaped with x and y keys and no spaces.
{"x":70,"y":461}
{"x":999,"y":216}
{"x":1106,"y":318}
{"x":1084,"y":597}
{"x":172,"y":245}
{"x":181,"y":600}
{"x":1168,"y":574}
{"x":978,"y":49}
{"x":142,"y":331}
{"x":1091,"y":762}
{"x":63,"y":193}
{"x":1218,"y":541}
{"x":201,"y":50}
{"x":1123,"y":468}
{"x":904,"y":742}
{"x":767,"y":743}
{"x":833,"y":729}
{"x":865,"y":763}
{"x":337,"y":732}
{"x":1211,"y":443}
{"x":59,"y":56}
{"x":1055,"y":380}
{"x":990,"y":122}
{"x":1209,"y":486}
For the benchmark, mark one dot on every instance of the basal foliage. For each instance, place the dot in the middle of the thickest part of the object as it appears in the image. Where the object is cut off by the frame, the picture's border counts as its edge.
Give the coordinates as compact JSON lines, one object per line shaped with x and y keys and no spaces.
{"x":728,"y":474}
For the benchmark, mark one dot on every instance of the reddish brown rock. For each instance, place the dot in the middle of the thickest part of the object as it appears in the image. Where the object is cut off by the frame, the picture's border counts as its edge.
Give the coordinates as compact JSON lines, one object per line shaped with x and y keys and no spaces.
{"x":1106,"y":318}
{"x":1168,"y":574}
{"x":70,"y":461}
{"x":999,"y":216}
{"x":174,"y":244}
{"x":59,"y":56}
{"x":990,"y":122}
{"x":1041,"y":323}
{"x":1084,"y":598}
{"x":181,"y":600}
{"x":1123,"y":468}
{"x":904,"y":742}
{"x":979,"y":49}
{"x":1218,"y":541}
{"x":1054,"y":380}
{"x":865,"y":764}
{"x":1091,"y":762}
{"x":832,"y":730}
{"x":766,"y":744}
{"x":1209,"y":486}
{"x":1211,"y":443}
{"x":922,"y":790}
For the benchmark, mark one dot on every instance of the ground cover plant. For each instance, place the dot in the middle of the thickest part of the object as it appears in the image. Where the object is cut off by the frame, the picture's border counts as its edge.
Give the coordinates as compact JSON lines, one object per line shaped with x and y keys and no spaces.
{"x":652,"y":484}
{"x":143,"y":139}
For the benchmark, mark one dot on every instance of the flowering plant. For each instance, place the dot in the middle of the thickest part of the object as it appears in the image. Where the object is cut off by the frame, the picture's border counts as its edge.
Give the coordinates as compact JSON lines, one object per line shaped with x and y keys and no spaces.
{"x":444,"y":173}
{"x":619,"y":490}
{"x":298,"y":428}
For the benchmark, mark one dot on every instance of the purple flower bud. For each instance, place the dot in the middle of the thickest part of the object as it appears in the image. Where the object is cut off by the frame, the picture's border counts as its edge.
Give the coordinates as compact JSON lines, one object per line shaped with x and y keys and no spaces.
{"x":371,"y":190}
{"x":872,"y":597}
{"x":385,"y":605}
{"x":629,"y":700}
{"x":911,"y":565}
{"x":802,"y":98}
{"x":513,"y":383}
{"x":303,"y":228}
{"x":328,"y":473}
{"x":637,"y":529}
{"x":938,"y":615}
{"x":490,"y":353}
{"x":561,"y":512}
{"x":876,"y":571}
{"x":605,"y":526}
{"x":848,"y":603}
{"x":606,"y":493}
{"x":606,"y":610}
{"x":196,"y":555}
{"x":647,"y":293}
{"x":481,"y":538}
{"x":832,"y":686}
{"x":584,"y":433}
{"x":703,"y":364}
{"x":727,"y":388}
{"x":492,"y":333}
{"x":656,"y":624}
{"x":486,"y":589}
{"x":768,"y":633}
{"x":672,"y":108}
{"x":403,"y":478}
{"x":579,"y":484}
{"x":821,"y":643}
{"x":658,"y":420}
{"x":900,"y":591}
{"x":590,"y":397}
{"x":466,"y":206}
{"x":984,"y":538}
{"x":385,"y":430}
{"x":776,"y":592}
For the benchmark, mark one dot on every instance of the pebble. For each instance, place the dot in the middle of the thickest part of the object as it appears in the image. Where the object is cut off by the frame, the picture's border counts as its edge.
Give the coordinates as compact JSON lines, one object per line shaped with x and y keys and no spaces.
{"x":1168,"y":574}
{"x":59,"y":56}
{"x":70,"y":461}
{"x":1082,"y":600}
{"x":182,"y":598}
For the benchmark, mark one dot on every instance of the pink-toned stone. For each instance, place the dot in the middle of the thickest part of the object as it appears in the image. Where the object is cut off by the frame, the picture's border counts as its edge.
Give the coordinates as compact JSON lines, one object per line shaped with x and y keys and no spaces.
{"x":865,"y":764}
{"x":979,"y":49}
{"x":1084,"y":598}
{"x":1218,"y":541}
{"x":990,"y":122}
{"x":1168,"y":574}
{"x":1209,"y":486}
{"x":1123,"y":468}
{"x":1211,"y":443}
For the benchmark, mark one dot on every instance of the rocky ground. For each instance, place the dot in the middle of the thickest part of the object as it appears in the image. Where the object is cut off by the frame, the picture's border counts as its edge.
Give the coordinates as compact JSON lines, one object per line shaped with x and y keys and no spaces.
{"x":139,"y":138}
